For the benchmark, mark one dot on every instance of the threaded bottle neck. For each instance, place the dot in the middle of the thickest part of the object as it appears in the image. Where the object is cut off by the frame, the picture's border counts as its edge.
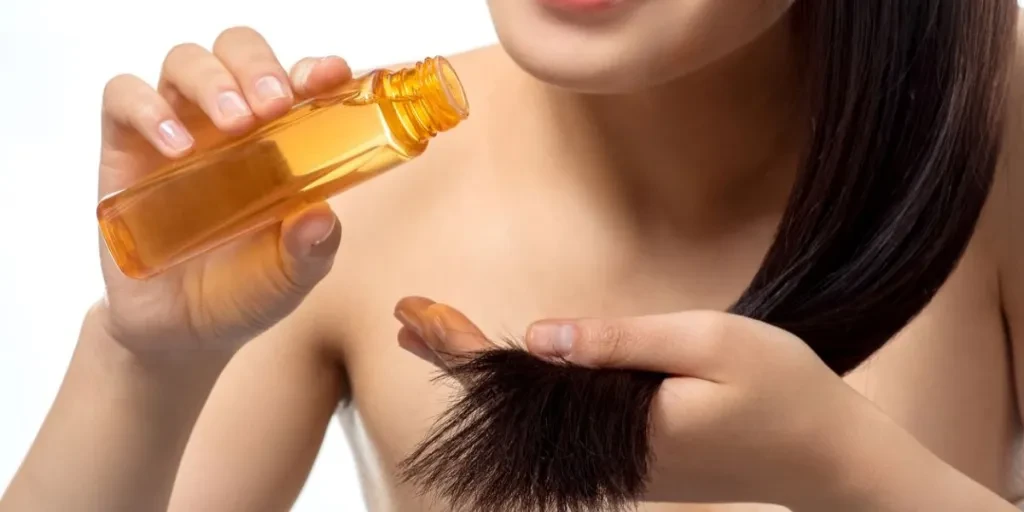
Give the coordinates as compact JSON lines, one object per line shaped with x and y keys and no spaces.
{"x":429,"y":97}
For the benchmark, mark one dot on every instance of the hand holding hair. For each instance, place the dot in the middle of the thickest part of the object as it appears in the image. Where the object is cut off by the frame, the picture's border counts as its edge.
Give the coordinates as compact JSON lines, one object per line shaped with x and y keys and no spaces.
{"x":732,"y":410}
{"x":899,"y":163}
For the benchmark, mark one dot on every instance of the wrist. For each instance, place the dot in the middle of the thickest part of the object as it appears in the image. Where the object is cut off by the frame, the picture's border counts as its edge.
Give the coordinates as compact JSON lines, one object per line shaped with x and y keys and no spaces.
{"x":173,"y":368}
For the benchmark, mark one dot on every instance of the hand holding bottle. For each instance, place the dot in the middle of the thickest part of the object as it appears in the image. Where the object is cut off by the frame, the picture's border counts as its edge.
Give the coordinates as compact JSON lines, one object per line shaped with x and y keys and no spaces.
{"x":212,"y":213}
{"x":228,"y":296}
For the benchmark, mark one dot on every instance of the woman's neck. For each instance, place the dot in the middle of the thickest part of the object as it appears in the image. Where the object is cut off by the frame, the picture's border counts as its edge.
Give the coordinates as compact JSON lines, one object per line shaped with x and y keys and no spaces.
{"x":702,"y":153}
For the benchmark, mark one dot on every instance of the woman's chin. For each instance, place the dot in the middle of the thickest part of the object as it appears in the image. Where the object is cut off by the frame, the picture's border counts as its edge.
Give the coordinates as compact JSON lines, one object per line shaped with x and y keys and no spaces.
{"x":584,"y":69}
{"x":618,"y":46}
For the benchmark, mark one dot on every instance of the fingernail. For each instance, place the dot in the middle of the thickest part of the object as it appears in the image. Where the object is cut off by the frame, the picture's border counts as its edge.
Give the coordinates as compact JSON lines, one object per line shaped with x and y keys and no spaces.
{"x":409,"y":321}
{"x":554,"y":340}
{"x":327,"y":227}
{"x":454,"y":332}
{"x":320,"y":247}
{"x":451,"y":320}
{"x":270,"y":88}
{"x":437,"y":325}
{"x":411,"y":312}
{"x":232,"y":106}
{"x":174,"y":135}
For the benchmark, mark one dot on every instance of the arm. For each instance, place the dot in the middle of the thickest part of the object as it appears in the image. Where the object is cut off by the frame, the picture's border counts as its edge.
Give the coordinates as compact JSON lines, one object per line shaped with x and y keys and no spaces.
{"x":259,"y":433}
{"x":1010,"y":216}
{"x":887,"y":470}
{"x":128,"y":426}
{"x":121,"y":422}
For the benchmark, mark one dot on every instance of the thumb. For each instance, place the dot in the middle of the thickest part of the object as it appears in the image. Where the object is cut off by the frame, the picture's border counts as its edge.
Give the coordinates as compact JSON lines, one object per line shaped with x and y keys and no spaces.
{"x":692,"y":343}
{"x":309,"y":241}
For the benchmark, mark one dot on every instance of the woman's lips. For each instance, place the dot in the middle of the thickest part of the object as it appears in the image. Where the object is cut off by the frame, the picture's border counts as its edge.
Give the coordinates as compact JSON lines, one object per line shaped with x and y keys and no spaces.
{"x":581,"y":6}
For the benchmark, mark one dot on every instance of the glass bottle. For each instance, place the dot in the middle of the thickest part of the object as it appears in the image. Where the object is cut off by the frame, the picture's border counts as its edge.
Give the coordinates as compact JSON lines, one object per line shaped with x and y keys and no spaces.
{"x":320,"y":148}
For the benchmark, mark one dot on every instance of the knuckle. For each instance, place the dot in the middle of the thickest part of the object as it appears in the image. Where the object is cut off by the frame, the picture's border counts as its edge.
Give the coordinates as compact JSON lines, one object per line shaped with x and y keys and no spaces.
{"x":148,"y":112}
{"x":611,"y":343}
{"x":609,"y":334}
{"x":126,"y":98}
{"x":718,"y":326}
{"x":192,"y":68}
{"x":209,"y":79}
{"x":239,"y":34}
{"x":182,"y":52}
{"x":117,"y":86}
{"x":712,"y":332}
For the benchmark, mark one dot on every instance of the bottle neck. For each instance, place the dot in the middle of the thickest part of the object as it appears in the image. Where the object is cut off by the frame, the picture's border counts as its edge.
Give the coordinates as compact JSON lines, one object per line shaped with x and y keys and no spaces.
{"x":428,"y":97}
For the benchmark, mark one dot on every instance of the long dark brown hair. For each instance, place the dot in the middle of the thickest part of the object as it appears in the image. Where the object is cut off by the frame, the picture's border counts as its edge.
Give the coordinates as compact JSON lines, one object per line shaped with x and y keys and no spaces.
{"x":907,"y":114}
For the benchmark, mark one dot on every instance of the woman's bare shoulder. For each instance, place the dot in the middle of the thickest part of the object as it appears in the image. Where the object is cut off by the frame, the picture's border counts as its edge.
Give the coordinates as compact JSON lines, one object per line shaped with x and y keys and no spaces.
{"x":1006,"y":208}
{"x":1005,"y":216}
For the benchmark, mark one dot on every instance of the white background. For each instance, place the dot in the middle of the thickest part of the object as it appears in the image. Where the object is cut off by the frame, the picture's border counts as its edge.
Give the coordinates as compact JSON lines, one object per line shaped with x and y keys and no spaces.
{"x":55,"y":56}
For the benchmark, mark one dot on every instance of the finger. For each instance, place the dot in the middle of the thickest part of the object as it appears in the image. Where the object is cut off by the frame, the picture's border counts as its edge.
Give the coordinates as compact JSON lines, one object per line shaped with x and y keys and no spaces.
{"x":312,"y":76}
{"x":248,"y":57}
{"x":454,"y":333}
{"x":309,"y":241}
{"x":692,"y":344}
{"x":409,"y":310}
{"x":131,"y":106}
{"x":444,"y":329}
{"x":193,"y":74}
{"x":411,"y":342}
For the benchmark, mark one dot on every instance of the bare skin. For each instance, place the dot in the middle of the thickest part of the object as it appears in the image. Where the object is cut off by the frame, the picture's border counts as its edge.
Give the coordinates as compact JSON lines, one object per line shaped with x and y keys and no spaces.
{"x":510,"y":240}
{"x":516,"y":216}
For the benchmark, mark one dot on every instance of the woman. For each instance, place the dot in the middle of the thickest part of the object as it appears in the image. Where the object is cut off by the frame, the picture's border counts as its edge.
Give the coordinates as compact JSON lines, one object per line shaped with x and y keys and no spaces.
{"x":639,"y":156}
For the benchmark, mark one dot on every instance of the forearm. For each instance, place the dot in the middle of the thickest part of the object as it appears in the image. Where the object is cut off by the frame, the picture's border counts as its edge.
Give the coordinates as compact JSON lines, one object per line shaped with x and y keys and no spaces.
{"x":115,"y":434}
{"x":890,"y":471}
{"x":939,"y":488}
